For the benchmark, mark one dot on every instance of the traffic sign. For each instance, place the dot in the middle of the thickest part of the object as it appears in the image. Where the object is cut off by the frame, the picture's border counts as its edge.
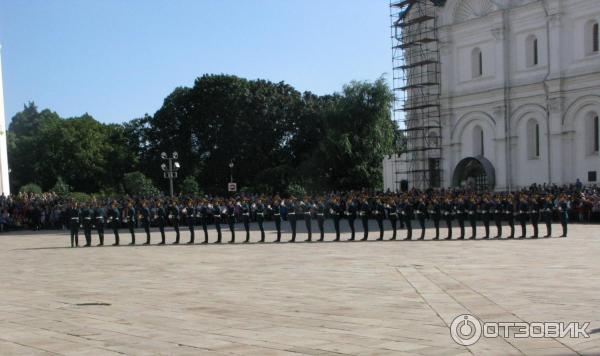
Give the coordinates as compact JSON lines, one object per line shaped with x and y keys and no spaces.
{"x":232,"y":187}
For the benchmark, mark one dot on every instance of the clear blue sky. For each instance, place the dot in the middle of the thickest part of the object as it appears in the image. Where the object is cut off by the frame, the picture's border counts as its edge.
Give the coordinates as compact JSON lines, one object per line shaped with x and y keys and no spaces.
{"x":118,"y":59}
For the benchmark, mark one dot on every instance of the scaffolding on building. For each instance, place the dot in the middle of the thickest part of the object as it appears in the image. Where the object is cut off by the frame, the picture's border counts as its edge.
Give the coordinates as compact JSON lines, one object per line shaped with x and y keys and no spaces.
{"x":416,"y":85}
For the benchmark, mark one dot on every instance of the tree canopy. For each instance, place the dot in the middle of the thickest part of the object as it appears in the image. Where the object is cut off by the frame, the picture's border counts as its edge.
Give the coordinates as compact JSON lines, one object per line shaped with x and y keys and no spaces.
{"x":275,"y":136}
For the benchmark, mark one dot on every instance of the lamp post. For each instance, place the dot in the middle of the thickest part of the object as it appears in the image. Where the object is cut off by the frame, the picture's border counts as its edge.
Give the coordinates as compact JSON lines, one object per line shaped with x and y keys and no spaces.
{"x":231,"y":172}
{"x":170,"y":169}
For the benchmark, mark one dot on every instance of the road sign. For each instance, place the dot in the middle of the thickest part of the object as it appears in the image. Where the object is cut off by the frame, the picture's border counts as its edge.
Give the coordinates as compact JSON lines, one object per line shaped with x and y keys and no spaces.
{"x":232,"y":187}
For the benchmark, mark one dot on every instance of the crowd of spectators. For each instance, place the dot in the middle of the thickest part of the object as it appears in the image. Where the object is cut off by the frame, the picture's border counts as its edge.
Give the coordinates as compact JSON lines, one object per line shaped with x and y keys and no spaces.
{"x":45,"y":211}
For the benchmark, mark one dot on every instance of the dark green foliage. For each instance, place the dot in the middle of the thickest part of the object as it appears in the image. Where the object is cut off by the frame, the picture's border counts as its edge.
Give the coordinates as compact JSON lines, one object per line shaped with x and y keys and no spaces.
{"x":276,"y":137}
{"x":31,"y":188}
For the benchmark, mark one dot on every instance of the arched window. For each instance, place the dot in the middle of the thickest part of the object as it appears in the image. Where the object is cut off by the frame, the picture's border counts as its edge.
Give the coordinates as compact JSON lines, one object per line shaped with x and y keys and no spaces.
{"x":592,"y":37}
{"x":592,"y":128}
{"x":477,"y":63}
{"x":532,"y":51}
{"x":478,"y":141}
{"x":533,"y":139}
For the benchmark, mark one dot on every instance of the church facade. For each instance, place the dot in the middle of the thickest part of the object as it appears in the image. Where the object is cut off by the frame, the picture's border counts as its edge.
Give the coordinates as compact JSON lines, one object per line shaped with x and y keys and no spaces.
{"x":519,"y":92}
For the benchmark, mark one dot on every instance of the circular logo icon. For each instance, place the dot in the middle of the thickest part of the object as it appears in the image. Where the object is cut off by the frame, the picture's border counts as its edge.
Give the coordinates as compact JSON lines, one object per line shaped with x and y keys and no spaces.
{"x":465,"y":329}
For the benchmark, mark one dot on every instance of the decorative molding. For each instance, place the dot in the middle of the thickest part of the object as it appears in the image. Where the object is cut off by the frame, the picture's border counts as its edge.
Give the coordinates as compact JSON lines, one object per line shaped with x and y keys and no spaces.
{"x":471,"y":9}
{"x":498,"y":34}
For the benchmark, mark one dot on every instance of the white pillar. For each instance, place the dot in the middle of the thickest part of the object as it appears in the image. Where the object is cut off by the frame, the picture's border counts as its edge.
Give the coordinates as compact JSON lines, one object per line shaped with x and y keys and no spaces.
{"x":4,"y":183}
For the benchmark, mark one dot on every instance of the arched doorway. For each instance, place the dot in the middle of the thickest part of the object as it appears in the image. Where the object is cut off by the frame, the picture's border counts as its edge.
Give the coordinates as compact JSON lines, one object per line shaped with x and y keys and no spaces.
{"x":476,"y":173}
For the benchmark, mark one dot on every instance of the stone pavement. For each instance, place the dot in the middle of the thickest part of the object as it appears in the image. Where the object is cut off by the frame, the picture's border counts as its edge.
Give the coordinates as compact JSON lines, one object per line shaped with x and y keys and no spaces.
{"x":360,"y":298}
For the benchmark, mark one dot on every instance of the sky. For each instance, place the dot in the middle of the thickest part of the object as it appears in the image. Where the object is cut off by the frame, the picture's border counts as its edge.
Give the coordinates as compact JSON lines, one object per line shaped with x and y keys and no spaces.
{"x":119,"y":59}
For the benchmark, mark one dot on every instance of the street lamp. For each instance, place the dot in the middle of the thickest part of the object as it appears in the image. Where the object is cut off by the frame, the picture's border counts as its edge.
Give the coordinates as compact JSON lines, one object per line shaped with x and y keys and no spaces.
{"x":231,"y":172}
{"x":170,"y":169}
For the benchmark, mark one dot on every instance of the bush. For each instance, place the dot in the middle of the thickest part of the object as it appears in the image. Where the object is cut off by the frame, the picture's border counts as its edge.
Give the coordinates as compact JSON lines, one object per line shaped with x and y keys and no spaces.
{"x":31,"y":188}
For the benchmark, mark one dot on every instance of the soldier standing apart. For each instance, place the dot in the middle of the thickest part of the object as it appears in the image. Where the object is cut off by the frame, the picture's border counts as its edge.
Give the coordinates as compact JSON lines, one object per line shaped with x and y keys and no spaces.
{"x":144,"y":218}
{"x":259,"y":208}
{"x":130,"y":221}
{"x":174,"y":217}
{"x":420,"y":211}
{"x":320,"y":211}
{"x":87,"y":214}
{"x":563,"y":211}
{"x":74,"y":216}
{"x":547,"y":209}
{"x":190,"y":216}
{"x":365,"y":210}
{"x":160,"y":216}
{"x":114,"y":218}
{"x":99,"y":221}
{"x":393,"y":216}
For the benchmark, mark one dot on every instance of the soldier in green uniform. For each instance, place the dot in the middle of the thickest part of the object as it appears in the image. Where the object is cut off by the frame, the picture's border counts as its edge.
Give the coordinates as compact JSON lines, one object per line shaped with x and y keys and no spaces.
{"x":351,"y":211}
{"x":114,"y":219}
{"x":160,"y":216}
{"x":99,"y":216}
{"x":174,"y":218}
{"x":365,"y":211}
{"x":87,"y":215}
{"x":275,"y":209}
{"x":547,"y":209}
{"x":245,"y":208}
{"x":230,"y":210}
{"x":144,"y":218}
{"x":320,"y":212}
{"x":392,"y":214}
{"x":420,"y":212}
{"x":563,"y":212}
{"x":129,"y":220}
{"x":215,"y":210}
{"x":202,"y":217}
{"x":259,"y":210}
{"x":189,"y":213}
{"x":74,"y":215}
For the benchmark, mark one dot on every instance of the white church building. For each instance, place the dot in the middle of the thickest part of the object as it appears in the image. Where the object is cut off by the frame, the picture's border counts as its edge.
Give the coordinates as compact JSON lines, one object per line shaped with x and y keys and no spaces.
{"x":513,"y":88}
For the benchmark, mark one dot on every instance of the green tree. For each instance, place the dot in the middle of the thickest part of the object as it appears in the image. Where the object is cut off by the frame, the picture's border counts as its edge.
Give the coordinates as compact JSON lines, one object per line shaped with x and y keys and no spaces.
{"x":137,"y":184}
{"x":189,"y":186}
{"x":61,"y":188}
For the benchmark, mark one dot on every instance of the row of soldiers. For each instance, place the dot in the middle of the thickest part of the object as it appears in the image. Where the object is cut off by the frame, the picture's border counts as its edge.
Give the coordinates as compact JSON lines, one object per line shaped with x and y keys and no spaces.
{"x":400,"y":210}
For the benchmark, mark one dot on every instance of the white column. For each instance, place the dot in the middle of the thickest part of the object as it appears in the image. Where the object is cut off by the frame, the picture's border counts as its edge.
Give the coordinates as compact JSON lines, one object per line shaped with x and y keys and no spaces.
{"x":4,"y":183}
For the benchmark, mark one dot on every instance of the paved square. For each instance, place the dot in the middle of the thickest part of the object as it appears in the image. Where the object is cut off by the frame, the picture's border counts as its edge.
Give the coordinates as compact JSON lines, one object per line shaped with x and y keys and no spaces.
{"x":361,"y":298}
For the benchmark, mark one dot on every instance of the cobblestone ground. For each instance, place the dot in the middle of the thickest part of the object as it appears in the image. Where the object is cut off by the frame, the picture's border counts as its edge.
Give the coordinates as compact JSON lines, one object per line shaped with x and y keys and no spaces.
{"x":359,"y":298}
